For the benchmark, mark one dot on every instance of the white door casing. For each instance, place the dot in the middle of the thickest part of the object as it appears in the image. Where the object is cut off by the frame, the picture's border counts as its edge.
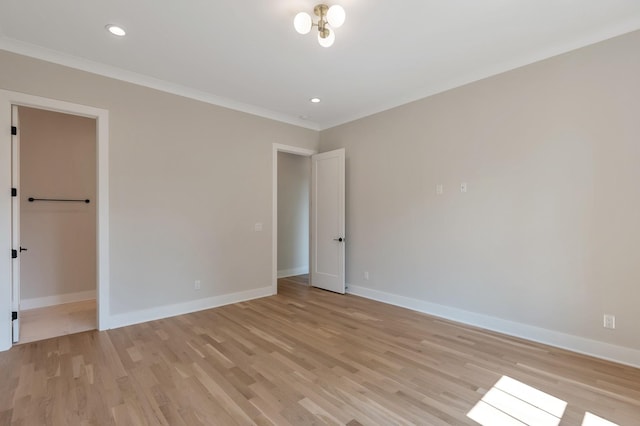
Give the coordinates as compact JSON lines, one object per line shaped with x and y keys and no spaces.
{"x":328,"y":220}
{"x":7,"y":100}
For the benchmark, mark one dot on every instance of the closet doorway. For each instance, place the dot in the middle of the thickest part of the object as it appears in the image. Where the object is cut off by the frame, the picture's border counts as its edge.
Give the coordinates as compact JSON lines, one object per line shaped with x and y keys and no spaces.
{"x":57,"y":158}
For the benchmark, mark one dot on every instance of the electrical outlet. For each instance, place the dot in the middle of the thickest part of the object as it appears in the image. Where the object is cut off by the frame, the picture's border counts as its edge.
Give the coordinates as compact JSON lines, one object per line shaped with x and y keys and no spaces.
{"x":366,"y":275}
{"x":463,"y":187}
{"x":439,"y":189}
{"x":257,"y":227}
{"x":609,"y":321}
{"x":196,"y":285}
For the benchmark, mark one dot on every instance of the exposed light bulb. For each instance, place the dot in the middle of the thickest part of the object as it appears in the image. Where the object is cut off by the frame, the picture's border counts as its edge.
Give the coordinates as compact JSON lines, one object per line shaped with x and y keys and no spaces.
{"x":302,"y":23}
{"x":116,"y":30}
{"x":328,"y":40}
{"x":336,"y":16}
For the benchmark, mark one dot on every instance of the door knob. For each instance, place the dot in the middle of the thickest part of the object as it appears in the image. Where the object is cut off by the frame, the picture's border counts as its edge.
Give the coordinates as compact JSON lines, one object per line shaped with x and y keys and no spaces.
{"x":338,"y":239}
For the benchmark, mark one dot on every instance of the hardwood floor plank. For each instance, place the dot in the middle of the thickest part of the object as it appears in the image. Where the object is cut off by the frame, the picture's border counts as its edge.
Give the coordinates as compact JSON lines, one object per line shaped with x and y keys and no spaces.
{"x":271,"y":413}
{"x":305,"y":356}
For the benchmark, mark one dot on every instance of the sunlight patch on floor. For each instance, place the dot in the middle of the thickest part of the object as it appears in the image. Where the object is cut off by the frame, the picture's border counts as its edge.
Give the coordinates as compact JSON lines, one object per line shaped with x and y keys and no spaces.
{"x":510,"y":402}
{"x":513,"y":403}
{"x":593,"y":420}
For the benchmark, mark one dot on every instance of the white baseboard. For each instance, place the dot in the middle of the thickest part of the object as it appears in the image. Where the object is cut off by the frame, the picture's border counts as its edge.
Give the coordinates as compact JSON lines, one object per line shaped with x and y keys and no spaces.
{"x":300,"y":270}
{"x":58,"y":299}
{"x":607,"y":351}
{"x":130,"y":318}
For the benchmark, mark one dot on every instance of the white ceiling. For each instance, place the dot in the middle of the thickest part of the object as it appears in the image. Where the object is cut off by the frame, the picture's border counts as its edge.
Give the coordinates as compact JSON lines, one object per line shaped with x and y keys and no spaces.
{"x":245,"y":54}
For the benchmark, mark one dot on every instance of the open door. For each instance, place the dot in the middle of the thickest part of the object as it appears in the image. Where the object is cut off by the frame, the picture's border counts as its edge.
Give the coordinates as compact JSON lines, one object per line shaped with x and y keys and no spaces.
{"x":15,"y":225}
{"x":327,"y":220}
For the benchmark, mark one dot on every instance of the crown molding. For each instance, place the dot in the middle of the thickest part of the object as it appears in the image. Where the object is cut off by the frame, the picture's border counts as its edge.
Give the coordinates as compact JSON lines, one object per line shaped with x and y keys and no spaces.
{"x":71,"y":61}
{"x":462,"y":79}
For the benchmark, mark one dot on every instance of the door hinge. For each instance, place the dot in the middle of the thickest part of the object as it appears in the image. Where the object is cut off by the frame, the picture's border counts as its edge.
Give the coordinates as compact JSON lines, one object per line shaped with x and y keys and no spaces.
{"x":14,"y":254}
{"x":14,"y":130}
{"x":14,"y":192}
{"x":14,"y":316}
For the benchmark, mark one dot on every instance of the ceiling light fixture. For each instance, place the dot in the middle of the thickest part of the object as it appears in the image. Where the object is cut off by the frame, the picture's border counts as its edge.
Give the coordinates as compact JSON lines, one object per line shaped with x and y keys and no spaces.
{"x":333,"y":16}
{"x":315,"y":100}
{"x":116,"y":30}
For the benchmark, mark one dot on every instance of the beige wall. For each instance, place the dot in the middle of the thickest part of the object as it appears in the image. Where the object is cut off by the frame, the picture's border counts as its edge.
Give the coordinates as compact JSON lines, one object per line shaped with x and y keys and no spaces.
{"x":187,"y":183}
{"x":57,"y":160}
{"x":547,"y":234}
{"x":294,"y":183}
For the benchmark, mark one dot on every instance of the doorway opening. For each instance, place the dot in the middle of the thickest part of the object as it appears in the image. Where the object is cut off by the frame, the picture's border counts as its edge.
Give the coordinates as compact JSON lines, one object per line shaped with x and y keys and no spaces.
{"x":291,"y":212}
{"x":56,"y":164}
{"x":294,"y":188}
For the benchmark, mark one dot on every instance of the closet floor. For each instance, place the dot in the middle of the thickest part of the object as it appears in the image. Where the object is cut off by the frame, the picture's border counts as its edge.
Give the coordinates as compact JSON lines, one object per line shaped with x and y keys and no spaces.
{"x":58,"y":320}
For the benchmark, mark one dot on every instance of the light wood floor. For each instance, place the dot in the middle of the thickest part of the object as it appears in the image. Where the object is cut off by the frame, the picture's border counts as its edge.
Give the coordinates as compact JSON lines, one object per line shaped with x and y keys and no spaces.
{"x":297,"y":279}
{"x":58,"y":320}
{"x":305,"y":356}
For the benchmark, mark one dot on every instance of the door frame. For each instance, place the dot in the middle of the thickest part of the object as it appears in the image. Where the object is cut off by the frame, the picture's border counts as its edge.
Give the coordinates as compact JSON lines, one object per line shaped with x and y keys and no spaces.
{"x":7,"y":99}
{"x":274,"y":204}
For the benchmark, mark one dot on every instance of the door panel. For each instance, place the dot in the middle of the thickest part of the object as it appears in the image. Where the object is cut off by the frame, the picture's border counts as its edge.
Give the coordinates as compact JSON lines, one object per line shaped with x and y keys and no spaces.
{"x":15,"y":224}
{"x":328,"y":220}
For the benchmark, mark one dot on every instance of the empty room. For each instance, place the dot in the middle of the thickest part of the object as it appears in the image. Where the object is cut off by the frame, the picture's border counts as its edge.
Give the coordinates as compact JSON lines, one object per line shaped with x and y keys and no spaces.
{"x":297,"y":213}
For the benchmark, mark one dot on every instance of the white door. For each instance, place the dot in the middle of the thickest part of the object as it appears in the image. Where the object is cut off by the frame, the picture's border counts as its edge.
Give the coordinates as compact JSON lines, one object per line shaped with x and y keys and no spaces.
{"x":327,"y":221}
{"x":15,"y":224}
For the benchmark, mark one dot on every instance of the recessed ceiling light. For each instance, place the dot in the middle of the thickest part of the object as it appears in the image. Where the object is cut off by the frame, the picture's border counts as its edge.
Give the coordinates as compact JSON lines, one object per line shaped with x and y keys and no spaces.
{"x":116,"y":30}
{"x":315,"y":100}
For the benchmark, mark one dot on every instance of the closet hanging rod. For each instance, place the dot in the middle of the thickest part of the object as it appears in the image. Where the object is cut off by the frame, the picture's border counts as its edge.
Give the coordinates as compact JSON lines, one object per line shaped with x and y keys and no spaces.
{"x":31,"y":200}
